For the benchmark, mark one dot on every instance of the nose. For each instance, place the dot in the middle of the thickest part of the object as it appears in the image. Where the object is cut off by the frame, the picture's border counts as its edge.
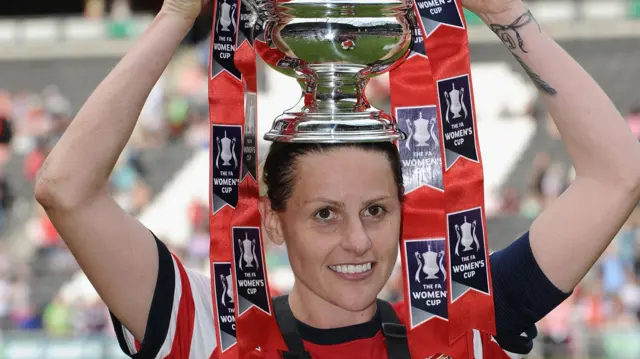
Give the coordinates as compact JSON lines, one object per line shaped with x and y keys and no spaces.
{"x":356,"y":239}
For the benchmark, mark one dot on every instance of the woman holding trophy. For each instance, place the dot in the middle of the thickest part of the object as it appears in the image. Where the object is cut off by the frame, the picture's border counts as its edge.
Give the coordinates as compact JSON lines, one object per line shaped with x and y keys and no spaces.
{"x":338,"y":208}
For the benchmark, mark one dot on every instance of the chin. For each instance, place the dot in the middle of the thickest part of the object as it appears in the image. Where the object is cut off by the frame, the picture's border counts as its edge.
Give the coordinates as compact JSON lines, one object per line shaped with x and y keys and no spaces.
{"x":357,"y":304}
{"x":356,"y":298}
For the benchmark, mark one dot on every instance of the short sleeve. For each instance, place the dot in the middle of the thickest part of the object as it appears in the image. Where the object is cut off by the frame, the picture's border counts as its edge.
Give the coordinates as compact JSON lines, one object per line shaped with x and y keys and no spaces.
{"x":180,"y":323}
{"x":522,"y":295}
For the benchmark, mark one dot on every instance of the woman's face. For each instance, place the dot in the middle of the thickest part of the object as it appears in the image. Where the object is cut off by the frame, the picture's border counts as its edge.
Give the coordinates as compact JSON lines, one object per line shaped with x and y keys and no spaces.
{"x":341,"y":226}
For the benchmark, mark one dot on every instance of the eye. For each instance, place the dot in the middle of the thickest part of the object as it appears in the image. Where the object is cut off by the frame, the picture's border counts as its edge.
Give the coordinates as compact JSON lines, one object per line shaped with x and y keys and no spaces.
{"x":374,"y":211}
{"x":325,"y":214}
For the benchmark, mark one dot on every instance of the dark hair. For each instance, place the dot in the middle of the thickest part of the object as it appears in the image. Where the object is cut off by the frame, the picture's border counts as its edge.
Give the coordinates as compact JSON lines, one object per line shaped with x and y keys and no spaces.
{"x":280,"y":166}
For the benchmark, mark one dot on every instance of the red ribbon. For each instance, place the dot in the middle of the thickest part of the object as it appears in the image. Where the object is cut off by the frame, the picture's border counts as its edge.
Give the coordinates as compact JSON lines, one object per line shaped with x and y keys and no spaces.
{"x":470,"y":289}
{"x":257,"y":327}
{"x":225,"y":108}
{"x":432,"y":90}
{"x":237,"y":246}
{"x":413,"y":100}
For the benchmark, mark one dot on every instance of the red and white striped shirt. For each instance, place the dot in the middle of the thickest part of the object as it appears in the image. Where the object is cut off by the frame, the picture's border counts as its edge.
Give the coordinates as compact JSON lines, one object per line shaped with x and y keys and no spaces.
{"x":181,"y":324}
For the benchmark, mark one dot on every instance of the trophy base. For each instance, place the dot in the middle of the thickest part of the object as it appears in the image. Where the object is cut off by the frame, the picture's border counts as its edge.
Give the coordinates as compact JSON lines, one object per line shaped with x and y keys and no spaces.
{"x":317,"y":127}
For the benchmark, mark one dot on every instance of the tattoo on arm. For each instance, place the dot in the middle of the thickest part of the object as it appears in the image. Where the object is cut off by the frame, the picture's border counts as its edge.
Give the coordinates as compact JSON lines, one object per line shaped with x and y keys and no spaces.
{"x":506,"y":33}
{"x":510,"y":36}
{"x":537,"y":80}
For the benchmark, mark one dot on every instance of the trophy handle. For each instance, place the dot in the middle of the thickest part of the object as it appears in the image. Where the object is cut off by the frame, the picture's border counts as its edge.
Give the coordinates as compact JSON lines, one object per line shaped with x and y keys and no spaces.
{"x":233,"y":15}
{"x":241,"y":254}
{"x":219,"y":151}
{"x":233,"y":151}
{"x":442,"y":268}
{"x":219,"y":22}
{"x":253,"y":250}
{"x":446,"y":97}
{"x":417,"y":277}
{"x":459,"y":237}
{"x":224,"y":291}
{"x":435,"y":138}
{"x":464,"y":108}
{"x":475,"y":239}
{"x":407,"y":143}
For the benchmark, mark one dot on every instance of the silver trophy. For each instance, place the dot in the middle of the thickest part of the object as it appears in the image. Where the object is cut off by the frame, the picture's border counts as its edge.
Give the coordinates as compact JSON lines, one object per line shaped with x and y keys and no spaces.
{"x":227,"y":291}
{"x":431,"y":267}
{"x":333,"y":47}
{"x":466,"y":233}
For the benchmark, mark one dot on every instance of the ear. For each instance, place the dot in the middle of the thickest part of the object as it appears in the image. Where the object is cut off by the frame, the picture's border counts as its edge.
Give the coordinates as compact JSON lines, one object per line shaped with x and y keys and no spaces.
{"x":270,"y":221}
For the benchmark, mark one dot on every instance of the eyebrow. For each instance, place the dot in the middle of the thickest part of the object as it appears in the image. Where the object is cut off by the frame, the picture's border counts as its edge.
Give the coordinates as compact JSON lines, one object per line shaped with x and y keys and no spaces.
{"x":377,"y":199}
{"x":325,"y":200}
{"x":341,"y":204}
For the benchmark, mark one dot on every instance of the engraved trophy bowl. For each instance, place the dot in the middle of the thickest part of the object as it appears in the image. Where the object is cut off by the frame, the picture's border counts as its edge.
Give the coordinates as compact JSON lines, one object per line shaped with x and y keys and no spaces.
{"x":335,"y":46}
{"x":430,"y":260}
{"x":422,"y":134}
{"x":467,"y":236}
{"x":226,"y":153}
{"x":248,"y":247}
{"x":454,"y":102}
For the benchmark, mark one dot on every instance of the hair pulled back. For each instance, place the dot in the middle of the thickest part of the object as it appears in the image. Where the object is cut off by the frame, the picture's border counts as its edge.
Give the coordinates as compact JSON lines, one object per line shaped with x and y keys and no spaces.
{"x":281,"y":164}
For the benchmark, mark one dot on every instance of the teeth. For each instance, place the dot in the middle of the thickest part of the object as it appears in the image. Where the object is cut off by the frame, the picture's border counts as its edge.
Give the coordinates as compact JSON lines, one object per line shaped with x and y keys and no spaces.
{"x":351,"y":268}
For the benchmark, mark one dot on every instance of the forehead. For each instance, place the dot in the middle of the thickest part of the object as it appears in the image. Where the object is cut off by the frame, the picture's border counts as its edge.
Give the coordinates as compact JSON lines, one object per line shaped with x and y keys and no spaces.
{"x":344,"y":172}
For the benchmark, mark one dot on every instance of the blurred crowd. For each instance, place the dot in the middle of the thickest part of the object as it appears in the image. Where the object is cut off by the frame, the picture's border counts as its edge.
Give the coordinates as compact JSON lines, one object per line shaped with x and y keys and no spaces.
{"x":31,"y":122}
{"x":605,"y":306}
{"x":116,"y":9}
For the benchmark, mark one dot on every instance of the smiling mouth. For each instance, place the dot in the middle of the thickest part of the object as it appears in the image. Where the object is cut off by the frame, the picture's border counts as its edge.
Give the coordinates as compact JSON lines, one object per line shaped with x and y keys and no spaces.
{"x":352,"y":268}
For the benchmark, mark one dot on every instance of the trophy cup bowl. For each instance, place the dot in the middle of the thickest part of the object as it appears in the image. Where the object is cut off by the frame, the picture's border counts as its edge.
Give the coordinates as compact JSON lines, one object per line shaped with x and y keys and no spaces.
{"x":334,"y":47}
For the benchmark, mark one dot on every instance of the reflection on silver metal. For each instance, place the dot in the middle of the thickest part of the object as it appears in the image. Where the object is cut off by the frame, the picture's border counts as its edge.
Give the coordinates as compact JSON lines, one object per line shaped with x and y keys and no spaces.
{"x":333,"y":47}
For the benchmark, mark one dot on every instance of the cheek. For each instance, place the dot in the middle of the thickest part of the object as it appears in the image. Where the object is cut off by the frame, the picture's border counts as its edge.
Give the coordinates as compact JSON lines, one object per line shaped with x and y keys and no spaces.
{"x":307,"y":247}
{"x":386,"y":234}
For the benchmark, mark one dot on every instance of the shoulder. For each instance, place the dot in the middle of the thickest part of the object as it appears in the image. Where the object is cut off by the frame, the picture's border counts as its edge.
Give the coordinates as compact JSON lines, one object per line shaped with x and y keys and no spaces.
{"x":181,"y":316}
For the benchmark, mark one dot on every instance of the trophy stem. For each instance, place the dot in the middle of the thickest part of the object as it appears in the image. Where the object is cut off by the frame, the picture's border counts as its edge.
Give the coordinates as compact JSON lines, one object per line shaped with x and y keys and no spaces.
{"x":334,"y":88}
{"x":333,"y":109}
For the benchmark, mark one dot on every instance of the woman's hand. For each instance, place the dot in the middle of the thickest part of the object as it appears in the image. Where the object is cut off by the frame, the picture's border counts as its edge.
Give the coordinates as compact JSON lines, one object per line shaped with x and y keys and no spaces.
{"x":188,"y":9}
{"x":492,"y":8}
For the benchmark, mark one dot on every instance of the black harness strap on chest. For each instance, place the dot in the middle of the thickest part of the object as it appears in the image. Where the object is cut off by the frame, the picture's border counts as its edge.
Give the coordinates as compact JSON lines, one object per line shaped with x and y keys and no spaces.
{"x":288,"y":329}
{"x":395,"y":333}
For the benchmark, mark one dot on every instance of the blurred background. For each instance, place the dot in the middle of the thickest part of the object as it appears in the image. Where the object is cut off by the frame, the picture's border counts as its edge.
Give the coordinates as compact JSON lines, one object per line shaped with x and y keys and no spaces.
{"x":53,"y":54}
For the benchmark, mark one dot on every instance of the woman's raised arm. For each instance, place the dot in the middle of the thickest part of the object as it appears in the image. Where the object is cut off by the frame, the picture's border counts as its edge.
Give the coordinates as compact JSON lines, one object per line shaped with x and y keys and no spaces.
{"x":569,"y":236}
{"x":117,"y":253}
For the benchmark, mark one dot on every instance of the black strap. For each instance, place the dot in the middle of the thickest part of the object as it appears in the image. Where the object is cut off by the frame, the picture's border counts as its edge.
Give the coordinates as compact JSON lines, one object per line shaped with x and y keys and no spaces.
{"x":287,"y":324}
{"x":395,"y":333}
